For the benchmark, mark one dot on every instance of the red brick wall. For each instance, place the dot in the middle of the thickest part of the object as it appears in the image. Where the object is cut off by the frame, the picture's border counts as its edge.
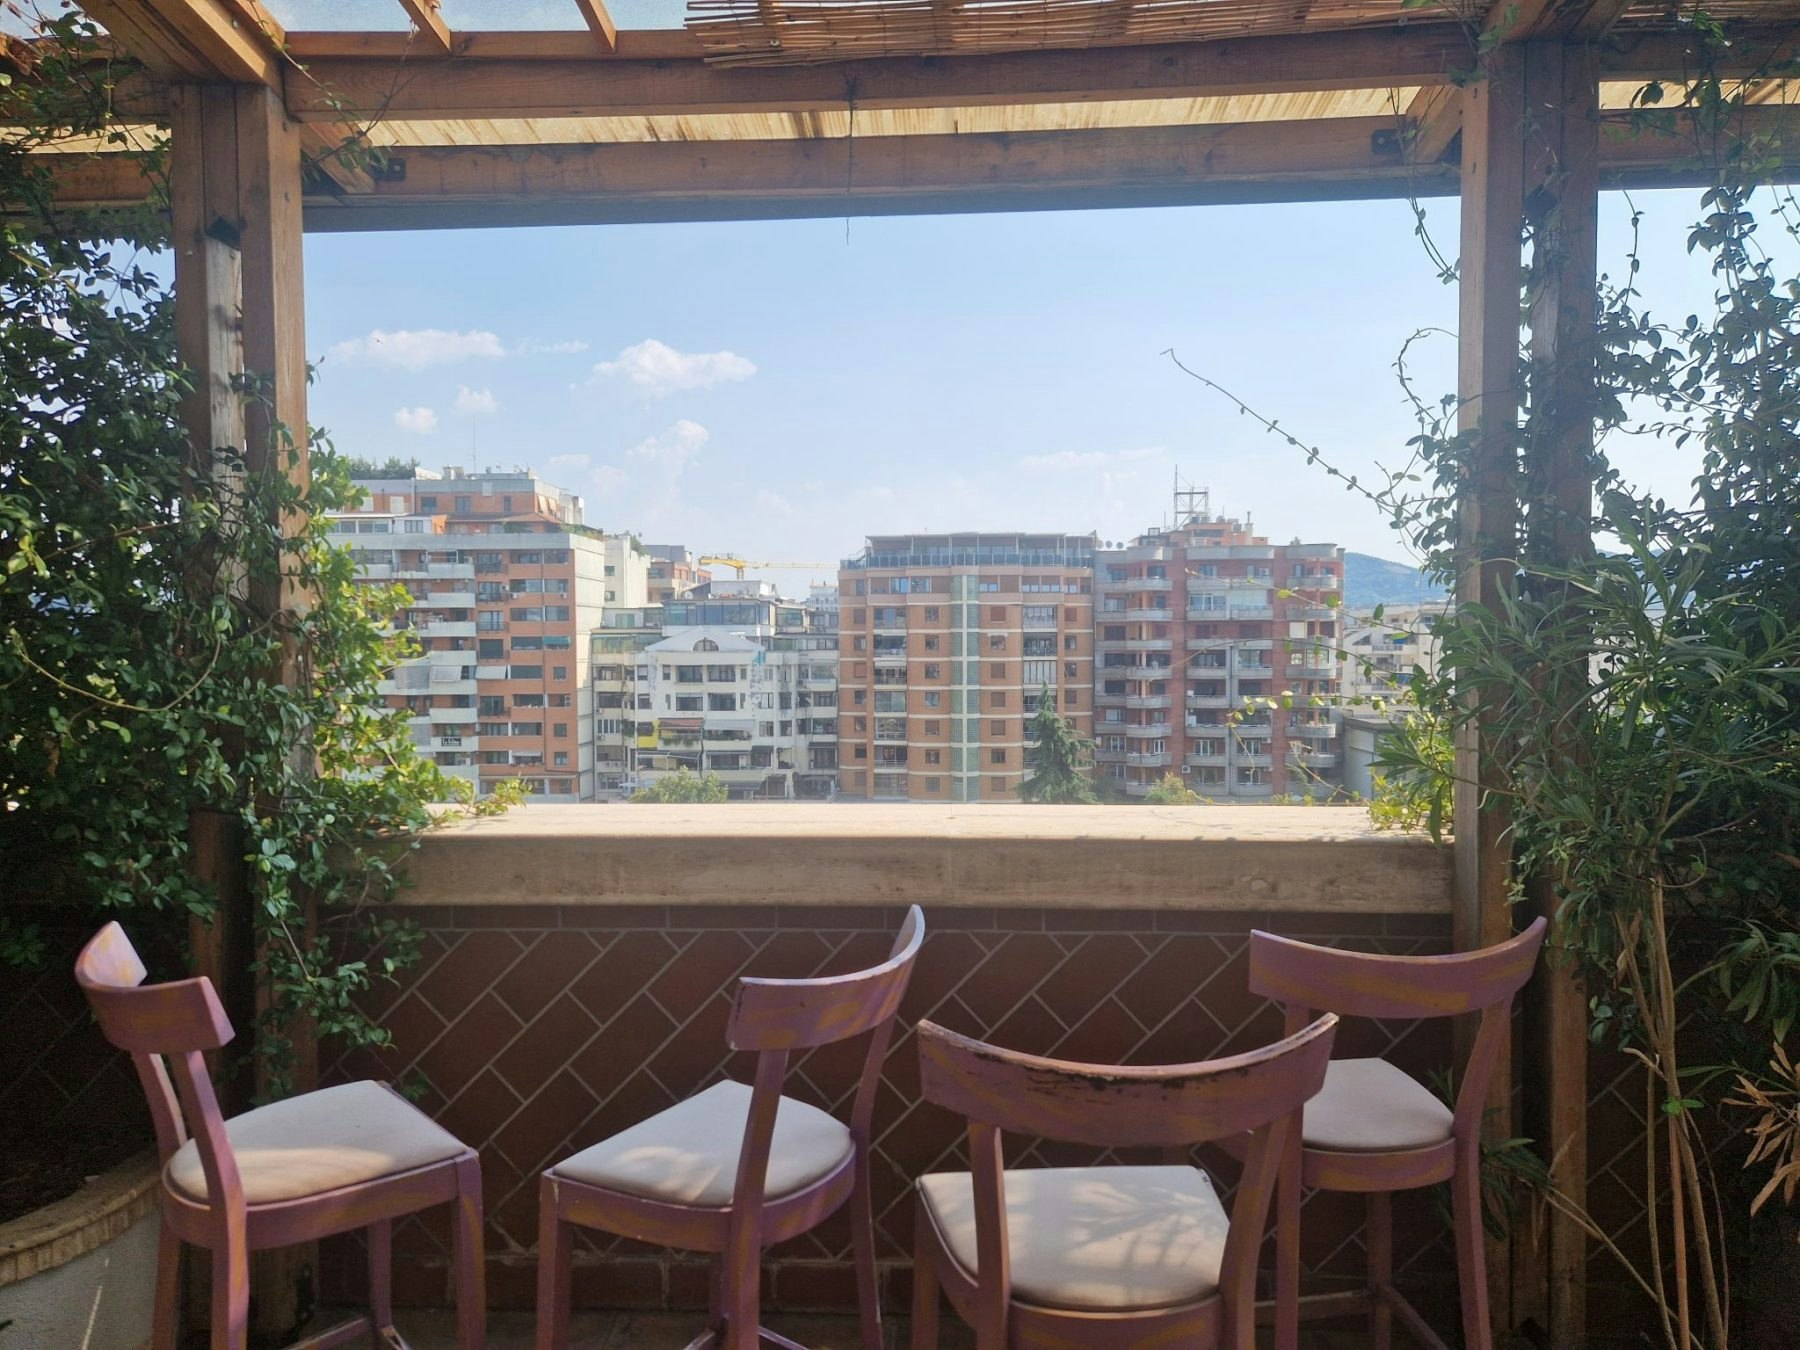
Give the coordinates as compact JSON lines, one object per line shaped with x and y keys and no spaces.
{"x":534,"y":1032}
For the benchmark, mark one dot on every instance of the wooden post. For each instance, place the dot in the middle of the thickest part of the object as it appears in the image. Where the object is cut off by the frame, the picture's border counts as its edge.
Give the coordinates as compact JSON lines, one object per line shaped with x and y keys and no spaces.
{"x":235,"y":204}
{"x":1488,"y":370}
{"x":1562,"y":104}
{"x":1530,"y":153}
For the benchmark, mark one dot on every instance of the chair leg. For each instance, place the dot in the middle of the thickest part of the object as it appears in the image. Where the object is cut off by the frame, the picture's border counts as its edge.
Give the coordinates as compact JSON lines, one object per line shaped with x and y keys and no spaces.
{"x":743,"y":1303}
{"x":862,"y":1242}
{"x":925,"y":1309}
{"x":1287,"y":1245}
{"x":555,"y":1239}
{"x":165,"y":1331}
{"x":230,"y":1297}
{"x":1379,"y":1234}
{"x":1471,"y":1256}
{"x":471,"y":1258}
{"x":380,"y":1237}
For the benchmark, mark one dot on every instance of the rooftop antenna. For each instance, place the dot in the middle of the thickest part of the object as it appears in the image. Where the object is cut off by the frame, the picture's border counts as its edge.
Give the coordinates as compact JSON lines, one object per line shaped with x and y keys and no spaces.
{"x":1192,"y":504}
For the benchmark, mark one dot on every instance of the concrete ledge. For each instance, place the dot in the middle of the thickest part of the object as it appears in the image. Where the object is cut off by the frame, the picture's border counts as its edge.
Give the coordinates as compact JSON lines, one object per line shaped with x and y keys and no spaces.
{"x":1270,"y":858}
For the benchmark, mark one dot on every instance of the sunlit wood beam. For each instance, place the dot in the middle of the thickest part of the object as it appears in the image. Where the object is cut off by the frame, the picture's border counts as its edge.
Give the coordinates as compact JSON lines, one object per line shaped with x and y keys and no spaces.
{"x":429,"y":23}
{"x":1518,"y":20}
{"x":600,"y":23}
{"x":234,"y":41}
{"x":1433,"y":119}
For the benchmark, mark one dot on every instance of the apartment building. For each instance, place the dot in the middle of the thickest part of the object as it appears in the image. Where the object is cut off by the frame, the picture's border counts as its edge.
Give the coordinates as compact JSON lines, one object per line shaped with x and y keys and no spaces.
{"x":1380,"y":656}
{"x":1197,"y":625}
{"x":675,"y":571}
{"x":946,"y":644}
{"x":741,"y":685}
{"x":505,"y":583}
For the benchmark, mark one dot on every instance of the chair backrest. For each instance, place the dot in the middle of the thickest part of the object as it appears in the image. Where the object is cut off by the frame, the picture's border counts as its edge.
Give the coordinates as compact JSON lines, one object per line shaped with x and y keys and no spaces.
{"x":166,"y":1028}
{"x":776,"y":1017}
{"x":1305,"y":978}
{"x":1113,"y":1106}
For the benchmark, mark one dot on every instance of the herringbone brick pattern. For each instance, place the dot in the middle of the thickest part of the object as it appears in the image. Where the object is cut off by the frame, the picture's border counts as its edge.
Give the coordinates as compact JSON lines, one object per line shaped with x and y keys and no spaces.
{"x":534,"y":1033}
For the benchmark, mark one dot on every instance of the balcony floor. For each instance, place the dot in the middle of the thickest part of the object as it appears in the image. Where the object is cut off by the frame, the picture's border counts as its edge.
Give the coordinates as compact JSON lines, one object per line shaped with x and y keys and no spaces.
{"x":436,"y":1330}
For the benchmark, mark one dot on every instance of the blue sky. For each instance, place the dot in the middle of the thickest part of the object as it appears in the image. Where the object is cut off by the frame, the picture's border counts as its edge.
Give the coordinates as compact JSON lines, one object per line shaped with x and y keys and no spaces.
{"x":778,"y":390}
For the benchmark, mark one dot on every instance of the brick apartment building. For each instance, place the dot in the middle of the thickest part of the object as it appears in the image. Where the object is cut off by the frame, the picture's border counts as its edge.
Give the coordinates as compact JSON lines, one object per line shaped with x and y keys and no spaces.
{"x":506,"y":584}
{"x":1195,"y":624}
{"x":946,"y":643}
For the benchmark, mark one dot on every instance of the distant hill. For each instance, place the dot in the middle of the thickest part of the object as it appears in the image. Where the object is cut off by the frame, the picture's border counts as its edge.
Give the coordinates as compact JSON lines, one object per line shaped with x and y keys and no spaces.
{"x":1371,"y":581}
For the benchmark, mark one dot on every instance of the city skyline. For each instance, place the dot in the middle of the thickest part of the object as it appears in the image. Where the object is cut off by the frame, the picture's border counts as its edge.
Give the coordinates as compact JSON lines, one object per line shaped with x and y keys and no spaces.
{"x":921,"y":376}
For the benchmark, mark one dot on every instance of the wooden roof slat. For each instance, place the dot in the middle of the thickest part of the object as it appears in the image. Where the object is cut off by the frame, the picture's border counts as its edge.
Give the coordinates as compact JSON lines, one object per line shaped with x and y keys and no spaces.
{"x":1434,"y":117}
{"x":600,"y":23}
{"x":429,"y":24}
{"x":229,"y":40}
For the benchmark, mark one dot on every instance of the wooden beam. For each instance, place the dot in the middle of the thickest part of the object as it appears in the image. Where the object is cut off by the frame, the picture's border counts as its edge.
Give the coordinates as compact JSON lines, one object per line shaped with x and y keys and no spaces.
{"x":633,"y":44}
{"x":1492,"y":274}
{"x":469,"y":88}
{"x":429,"y":24}
{"x":1433,"y":121}
{"x":1563,"y":193}
{"x":228,"y":40}
{"x":1333,"y":159}
{"x":332,"y":151}
{"x":1522,"y":20}
{"x":630,"y":84}
{"x":600,"y":23}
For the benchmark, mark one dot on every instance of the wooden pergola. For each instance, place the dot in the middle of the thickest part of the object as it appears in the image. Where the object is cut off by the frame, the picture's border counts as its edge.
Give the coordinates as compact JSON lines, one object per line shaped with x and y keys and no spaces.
{"x":795,"y":108}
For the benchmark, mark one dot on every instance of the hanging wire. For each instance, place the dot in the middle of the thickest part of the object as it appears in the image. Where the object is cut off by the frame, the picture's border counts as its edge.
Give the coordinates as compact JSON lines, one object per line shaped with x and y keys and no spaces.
{"x":849,"y":154}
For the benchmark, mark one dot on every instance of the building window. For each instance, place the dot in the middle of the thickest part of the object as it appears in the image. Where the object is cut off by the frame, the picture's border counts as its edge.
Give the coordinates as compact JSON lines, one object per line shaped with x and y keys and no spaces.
{"x":1069,"y":699}
{"x":463,"y":505}
{"x":996,"y":613}
{"x":931,"y":613}
{"x":997,"y":728}
{"x":996,"y":642}
{"x":524,"y":672}
{"x":559,"y":672}
{"x":860,"y":752}
{"x":560,"y":759}
{"x":1071,"y":643}
{"x":933,"y":699}
{"x":997,"y":699}
{"x":428,"y":503}
{"x":560,"y":730}
{"x":933,"y":757}
{"x":931,"y":784}
{"x":931,"y":644}
{"x":996,"y":757}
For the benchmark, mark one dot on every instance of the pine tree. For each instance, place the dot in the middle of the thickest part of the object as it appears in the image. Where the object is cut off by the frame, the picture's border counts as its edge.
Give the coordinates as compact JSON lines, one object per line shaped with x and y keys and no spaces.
{"x":1056,"y":768}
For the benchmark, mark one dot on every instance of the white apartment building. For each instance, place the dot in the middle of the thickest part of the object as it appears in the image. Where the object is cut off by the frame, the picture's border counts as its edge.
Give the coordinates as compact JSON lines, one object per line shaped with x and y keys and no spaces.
{"x":1381,"y":656}
{"x":740,"y":686}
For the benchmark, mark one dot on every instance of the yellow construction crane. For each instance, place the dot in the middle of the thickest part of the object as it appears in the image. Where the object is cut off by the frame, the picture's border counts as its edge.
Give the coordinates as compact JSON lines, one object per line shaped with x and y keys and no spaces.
{"x":739,"y":564}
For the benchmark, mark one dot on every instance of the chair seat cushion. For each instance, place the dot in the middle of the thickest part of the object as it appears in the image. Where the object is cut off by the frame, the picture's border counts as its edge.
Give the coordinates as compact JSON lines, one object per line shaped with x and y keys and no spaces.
{"x":321,"y":1141}
{"x":688,"y":1154}
{"x":1369,"y":1106}
{"x":1095,"y":1238}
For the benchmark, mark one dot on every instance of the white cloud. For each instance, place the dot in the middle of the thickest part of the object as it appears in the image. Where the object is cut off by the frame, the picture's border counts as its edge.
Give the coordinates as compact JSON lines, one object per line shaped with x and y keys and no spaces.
{"x":475,"y":402}
{"x":772,"y":503}
{"x":567,"y":462}
{"x":419,"y":421}
{"x":674,"y":447}
{"x":1087,"y":459}
{"x":418,"y":348}
{"x":609,"y":478}
{"x":659,"y":369}
{"x":550,"y":348}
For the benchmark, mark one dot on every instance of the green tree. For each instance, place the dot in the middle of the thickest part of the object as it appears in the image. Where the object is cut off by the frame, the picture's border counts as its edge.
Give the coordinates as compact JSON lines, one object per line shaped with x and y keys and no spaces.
{"x":139,"y":674}
{"x":684,"y":785}
{"x":1057,"y":766}
{"x":1170,"y":790}
{"x":391,"y":467}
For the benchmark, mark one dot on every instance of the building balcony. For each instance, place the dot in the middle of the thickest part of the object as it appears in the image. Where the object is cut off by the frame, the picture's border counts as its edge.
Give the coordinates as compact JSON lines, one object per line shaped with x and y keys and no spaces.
{"x":441,"y":716}
{"x":1155,"y":614}
{"x":1304,"y":584}
{"x":436,"y":572}
{"x":1103,"y":755}
{"x":1150,"y":644}
{"x":1252,"y":759}
{"x":1146,"y":728}
{"x":1147,"y":700}
{"x":1150,"y":759}
{"x":1207,"y":759}
{"x":1310,"y":669}
{"x":1253,"y":731}
{"x":1207,"y":644}
{"x":1313,"y":613}
{"x":1112,"y":587}
{"x":1203,"y":701}
{"x":444,"y":628}
{"x":1317,"y":760}
{"x":454,"y":743}
{"x":1252,"y":790}
{"x":1148,"y":672}
{"x":445,"y":600}
{"x":1253,"y":611}
{"x":1317,"y":731}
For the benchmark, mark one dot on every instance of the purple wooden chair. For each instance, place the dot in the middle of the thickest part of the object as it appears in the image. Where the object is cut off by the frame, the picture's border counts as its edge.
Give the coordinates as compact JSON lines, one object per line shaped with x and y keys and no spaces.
{"x":737,"y":1169}
{"x":353,"y":1156}
{"x":1375,"y":1129}
{"x":1108,"y":1257}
